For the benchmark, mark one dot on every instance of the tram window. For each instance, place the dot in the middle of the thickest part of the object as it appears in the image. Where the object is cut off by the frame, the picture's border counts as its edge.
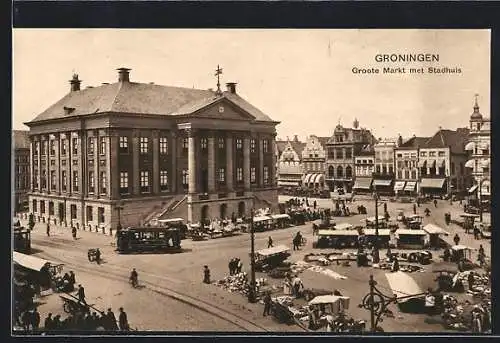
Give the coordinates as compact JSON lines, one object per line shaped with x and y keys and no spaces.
{"x":161,"y":235}
{"x":148,"y":235}
{"x":137,"y":235}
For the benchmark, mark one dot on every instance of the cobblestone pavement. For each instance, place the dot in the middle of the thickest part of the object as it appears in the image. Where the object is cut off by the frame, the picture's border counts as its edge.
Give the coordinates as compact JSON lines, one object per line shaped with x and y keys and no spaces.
{"x":182,"y":273}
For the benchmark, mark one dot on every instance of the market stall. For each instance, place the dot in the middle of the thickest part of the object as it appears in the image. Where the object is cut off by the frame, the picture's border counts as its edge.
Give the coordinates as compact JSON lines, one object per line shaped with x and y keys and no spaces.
{"x":36,"y":270}
{"x":435,"y":232}
{"x":408,"y":293}
{"x":411,"y":239}
{"x":281,"y":221}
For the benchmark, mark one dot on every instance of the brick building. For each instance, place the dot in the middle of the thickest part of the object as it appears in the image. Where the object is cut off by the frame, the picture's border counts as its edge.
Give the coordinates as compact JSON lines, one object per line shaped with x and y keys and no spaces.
{"x":290,"y":162}
{"x":313,"y":162}
{"x":406,"y":163}
{"x":21,"y":172}
{"x":135,"y":152}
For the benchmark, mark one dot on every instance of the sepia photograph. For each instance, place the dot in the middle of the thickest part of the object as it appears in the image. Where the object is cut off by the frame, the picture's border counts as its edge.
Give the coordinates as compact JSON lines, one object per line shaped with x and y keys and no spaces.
{"x":297,"y":181}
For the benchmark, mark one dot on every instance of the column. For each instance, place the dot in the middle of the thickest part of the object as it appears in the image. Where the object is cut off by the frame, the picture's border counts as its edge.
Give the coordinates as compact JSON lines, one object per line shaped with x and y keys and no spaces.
{"x":173,"y":158}
{"x":229,"y":162}
{"x":112,"y":170}
{"x":246,"y":162}
{"x":97,"y":175}
{"x":191,"y":161}
{"x":57,"y":156}
{"x":47,"y":167}
{"x":136,"y":189}
{"x":31,"y":166}
{"x":211,"y":163}
{"x":261,"y":161}
{"x":39,"y":165}
{"x":272,"y":170}
{"x":156,"y":162}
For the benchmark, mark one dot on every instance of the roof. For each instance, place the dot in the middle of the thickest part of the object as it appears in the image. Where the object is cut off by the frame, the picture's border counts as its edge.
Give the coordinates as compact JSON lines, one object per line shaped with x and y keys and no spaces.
{"x":456,"y":140}
{"x":30,"y":262}
{"x":414,"y":142}
{"x":274,"y":250}
{"x":141,"y":98}
{"x":281,"y":145}
{"x":21,"y":139}
{"x":323,"y":140}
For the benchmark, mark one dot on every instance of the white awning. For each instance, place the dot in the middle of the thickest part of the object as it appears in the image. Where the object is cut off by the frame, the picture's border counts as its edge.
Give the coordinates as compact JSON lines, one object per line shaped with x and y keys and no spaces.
{"x":441,"y":164}
{"x":337,"y":303}
{"x":274,"y":250}
{"x":434,"y":229}
{"x":469,"y":164}
{"x":280,"y":216}
{"x":399,"y":185}
{"x":288,"y":183}
{"x":432,"y":163}
{"x":307,"y":178}
{"x":362,"y":183}
{"x":432,"y":183}
{"x":410,"y":232}
{"x":483,"y":146}
{"x":30,"y":262}
{"x":485,"y":188}
{"x":382,"y":182}
{"x":470,"y":146}
{"x":473,"y":189}
{"x":319,"y":178}
{"x":343,"y":226}
{"x":485,"y":163}
{"x":261,"y":219}
{"x":410,"y":186}
{"x":403,"y":285}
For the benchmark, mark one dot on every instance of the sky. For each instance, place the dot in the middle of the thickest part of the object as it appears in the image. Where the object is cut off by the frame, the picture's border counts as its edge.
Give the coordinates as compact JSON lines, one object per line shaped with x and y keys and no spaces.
{"x":301,"y":78}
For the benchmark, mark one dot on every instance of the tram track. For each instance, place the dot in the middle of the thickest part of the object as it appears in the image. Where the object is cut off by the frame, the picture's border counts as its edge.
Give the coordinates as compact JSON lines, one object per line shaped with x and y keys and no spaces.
{"x":197,"y":303}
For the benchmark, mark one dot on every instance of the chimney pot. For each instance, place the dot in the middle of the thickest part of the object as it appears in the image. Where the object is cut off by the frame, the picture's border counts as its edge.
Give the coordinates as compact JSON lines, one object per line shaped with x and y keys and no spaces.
{"x":123,"y":74}
{"x":231,"y":87}
{"x":75,"y":83}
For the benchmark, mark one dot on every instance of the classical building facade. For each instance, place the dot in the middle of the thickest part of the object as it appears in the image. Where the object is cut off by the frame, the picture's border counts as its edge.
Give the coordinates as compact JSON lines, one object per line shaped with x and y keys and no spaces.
{"x":478,"y":146}
{"x":442,"y":163}
{"x":364,"y":168}
{"x":313,"y":162}
{"x":21,"y":171}
{"x":406,"y":162}
{"x":135,"y":152}
{"x":342,"y":147}
{"x":383,"y":177}
{"x":290,"y":163}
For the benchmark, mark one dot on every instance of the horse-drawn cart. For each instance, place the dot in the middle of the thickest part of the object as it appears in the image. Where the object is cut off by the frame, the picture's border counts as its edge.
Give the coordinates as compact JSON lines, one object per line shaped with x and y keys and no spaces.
{"x":71,"y":305}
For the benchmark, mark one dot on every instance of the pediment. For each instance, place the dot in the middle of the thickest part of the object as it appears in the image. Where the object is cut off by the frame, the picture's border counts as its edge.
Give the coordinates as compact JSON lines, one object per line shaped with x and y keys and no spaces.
{"x":223,"y":109}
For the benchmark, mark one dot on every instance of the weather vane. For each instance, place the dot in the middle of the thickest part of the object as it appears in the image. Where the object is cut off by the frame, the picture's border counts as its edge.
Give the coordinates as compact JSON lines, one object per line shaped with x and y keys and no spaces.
{"x":218,"y":72}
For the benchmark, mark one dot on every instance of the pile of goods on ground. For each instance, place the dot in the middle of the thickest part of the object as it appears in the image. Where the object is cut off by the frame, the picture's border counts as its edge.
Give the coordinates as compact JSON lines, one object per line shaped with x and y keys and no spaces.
{"x":239,"y":283}
{"x":300,"y":266}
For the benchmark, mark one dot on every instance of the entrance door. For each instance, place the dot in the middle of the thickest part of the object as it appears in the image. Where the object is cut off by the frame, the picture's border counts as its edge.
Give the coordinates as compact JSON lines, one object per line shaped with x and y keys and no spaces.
{"x":62,"y":212}
{"x":223,"y":211}
{"x":204,"y":213}
{"x":241,"y":209}
{"x":204,"y":181}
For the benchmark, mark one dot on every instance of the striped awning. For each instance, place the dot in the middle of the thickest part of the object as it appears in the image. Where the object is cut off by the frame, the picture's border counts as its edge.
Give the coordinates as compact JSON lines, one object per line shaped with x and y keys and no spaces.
{"x":382,"y":182}
{"x":314,"y":178}
{"x":469,"y":164}
{"x":473,"y":189}
{"x":410,"y":186}
{"x":399,"y":185}
{"x":470,"y":146}
{"x":422,"y":163}
{"x":432,"y":164}
{"x":362,"y":183}
{"x":432,"y":183}
{"x":441,"y":164}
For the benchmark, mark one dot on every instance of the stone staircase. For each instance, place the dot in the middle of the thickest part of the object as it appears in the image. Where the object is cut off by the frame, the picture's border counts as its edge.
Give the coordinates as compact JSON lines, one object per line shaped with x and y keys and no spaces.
{"x":172,"y":207}
{"x":262,"y":202}
{"x":158,"y":211}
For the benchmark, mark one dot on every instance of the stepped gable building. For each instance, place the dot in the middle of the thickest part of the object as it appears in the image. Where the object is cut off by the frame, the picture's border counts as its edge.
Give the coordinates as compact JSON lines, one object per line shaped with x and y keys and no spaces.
{"x":136,"y":152}
{"x":406,"y":162}
{"x":290,"y":163}
{"x":313,"y":162}
{"x":478,"y":147}
{"x":342,"y":147}
{"x":21,"y":177}
{"x":442,"y":163}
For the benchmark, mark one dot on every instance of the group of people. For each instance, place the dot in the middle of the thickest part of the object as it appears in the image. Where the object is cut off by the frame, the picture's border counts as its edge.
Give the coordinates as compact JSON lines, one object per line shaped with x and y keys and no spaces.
{"x":235,"y":265}
{"x":88,"y":321}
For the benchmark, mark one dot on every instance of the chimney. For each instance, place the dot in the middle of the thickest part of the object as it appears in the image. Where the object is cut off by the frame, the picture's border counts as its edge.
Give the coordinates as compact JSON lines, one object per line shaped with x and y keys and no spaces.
{"x":231,"y":87}
{"x":75,"y":83}
{"x":123,"y":74}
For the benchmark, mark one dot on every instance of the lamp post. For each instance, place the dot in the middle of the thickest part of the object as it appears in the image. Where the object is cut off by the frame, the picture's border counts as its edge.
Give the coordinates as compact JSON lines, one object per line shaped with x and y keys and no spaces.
{"x":118,"y":208}
{"x":376,"y":253}
{"x":251,"y":294}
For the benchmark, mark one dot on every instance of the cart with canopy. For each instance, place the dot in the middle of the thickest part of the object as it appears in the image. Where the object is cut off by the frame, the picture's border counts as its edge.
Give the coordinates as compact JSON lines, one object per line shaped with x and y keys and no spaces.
{"x":270,"y":258}
{"x":463,"y":256}
{"x":262,"y":223}
{"x":176,"y":223}
{"x":281,"y":221}
{"x":338,"y":239}
{"x":37,"y":270}
{"x":409,"y":295}
{"x":435,"y":233}
{"x":411,"y":239}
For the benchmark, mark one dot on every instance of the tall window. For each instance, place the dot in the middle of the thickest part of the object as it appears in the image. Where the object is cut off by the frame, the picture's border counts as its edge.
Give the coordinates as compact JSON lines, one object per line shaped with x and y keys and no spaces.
{"x":42,"y":206}
{"x":413,"y":174}
{"x":75,"y":145}
{"x":185,"y":179}
{"x":72,"y":211}
{"x":221,"y":142}
{"x":185,"y":143}
{"x":123,"y":182}
{"x":252,"y":145}
{"x":91,"y":182}
{"x":52,"y":180}
{"x":51,"y":208}
{"x":163,"y":180}
{"x":91,"y":146}
{"x":52,"y":147}
{"x":90,"y":216}
{"x":266,"y":175}
{"x":143,"y":144}
{"x":44,"y":148}
{"x":123,"y":144}
{"x":102,"y":145}
{"x":100,"y":215}
{"x":37,"y":148}
{"x":64,"y":147}
{"x":75,"y":181}
{"x":103,"y":181}
{"x":221,"y":175}
{"x":163,"y":145}
{"x":144,"y":181}
{"x":34,"y":206}
{"x":64,"y":183}
{"x":265,"y":146}
{"x":239,"y":174}
{"x":348,"y":153}
{"x":35,"y":179}
{"x":203,"y":143}
{"x":239,"y":143}
{"x":253,"y":176}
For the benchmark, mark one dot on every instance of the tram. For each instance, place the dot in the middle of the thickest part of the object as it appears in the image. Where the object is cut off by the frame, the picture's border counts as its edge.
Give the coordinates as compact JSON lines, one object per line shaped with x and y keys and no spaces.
{"x":151,"y":238}
{"x":22,"y":240}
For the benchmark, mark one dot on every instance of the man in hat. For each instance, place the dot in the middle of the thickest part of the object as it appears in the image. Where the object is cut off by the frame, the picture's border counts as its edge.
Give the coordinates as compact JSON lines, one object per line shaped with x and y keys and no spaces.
{"x":48,"y":322}
{"x":81,"y":294}
{"x":206,"y":274}
{"x":48,"y":229}
{"x":122,"y":320}
{"x":111,"y":320}
{"x":269,"y":242}
{"x":456,"y":239}
{"x":267,"y":304}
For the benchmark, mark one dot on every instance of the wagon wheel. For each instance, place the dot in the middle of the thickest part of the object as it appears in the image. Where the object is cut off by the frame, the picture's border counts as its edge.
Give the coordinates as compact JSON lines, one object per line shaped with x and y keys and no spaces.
{"x":67,"y":307}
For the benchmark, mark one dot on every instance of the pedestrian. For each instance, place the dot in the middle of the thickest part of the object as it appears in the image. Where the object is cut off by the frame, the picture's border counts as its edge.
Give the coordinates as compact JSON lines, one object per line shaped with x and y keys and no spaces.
{"x":206,"y":275}
{"x":56,"y":323}
{"x":418,"y":202}
{"x":470,"y":280}
{"x":111,"y":320}
{"x":230,"y":266}
{"x":98,"y":256}
{"x":395,"y":265}
{"x":48,"y":323}
{"x":476,"y":233}
{"x":435,"y":203}
{"x":239,"y":266}
{"x":81,"y":294}
{"x":122,"y":320}
{"x":385,"y":207}
{"x":430,"y":302}
{"x":72,"y":279}
{"x":35,"y":319}
{"x":73,"y":232}
{"x":465,"y":208}
{"x":26,"y":320}
{"x":269,"y":242}
{"x":48,"y":229}
{"x":481,"y":250}
{"x":414,"y":208}
{"x":456,"y":239}
{"x":267,"y":304}
{"x":315,"y":204}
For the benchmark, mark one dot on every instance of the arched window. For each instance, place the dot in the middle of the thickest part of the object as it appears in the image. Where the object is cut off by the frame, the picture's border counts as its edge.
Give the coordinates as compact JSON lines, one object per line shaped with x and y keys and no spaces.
{"x":331,"y":171}
{"x":348,"y":172}
{"x":340,"y":171}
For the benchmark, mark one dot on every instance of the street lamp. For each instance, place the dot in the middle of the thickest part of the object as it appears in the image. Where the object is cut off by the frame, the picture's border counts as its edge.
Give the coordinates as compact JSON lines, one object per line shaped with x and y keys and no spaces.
{"x":377,"y":302}
{"x":251,"y":293}
{"x":118,"y":208}
{"x":376,"y":253}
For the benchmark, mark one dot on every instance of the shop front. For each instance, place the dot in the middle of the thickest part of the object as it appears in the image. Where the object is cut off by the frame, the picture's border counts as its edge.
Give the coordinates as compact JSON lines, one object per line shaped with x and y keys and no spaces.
{"x":410,"y":188}
{"x":399,"y":187}
{"x":433,"y":187}
{"x":383,"y":186}
{"x":363,"y":185}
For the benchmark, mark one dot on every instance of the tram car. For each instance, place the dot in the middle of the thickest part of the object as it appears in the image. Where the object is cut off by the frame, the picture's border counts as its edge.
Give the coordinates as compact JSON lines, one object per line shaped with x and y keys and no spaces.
{"x":148,"y":239}
{"x":22,"y":240}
